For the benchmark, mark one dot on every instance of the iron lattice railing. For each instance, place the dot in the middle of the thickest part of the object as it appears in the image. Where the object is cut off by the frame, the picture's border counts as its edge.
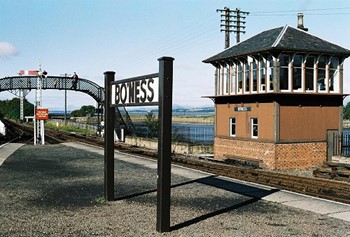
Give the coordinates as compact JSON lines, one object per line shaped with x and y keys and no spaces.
{"x":53,"y":82}
{"x":65,"y":83}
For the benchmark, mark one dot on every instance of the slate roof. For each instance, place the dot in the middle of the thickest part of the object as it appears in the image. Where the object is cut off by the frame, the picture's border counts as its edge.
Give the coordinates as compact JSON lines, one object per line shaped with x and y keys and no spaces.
{"x":280,"y":39}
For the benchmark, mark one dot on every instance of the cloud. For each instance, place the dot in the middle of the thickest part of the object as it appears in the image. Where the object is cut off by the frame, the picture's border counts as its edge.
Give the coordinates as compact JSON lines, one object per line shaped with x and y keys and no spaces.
{"x":7,"y":49}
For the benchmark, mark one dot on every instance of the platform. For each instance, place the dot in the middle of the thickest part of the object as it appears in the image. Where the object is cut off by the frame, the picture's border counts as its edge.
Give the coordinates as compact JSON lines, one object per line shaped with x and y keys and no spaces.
{"x":292,"y":199}
{"x":7,"y":149}
{"x":57,"y":190}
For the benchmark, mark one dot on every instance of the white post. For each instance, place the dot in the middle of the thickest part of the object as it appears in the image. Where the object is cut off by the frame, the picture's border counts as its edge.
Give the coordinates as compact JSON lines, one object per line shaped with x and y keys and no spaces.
{"x":21,"y":102}
{"x":34,"y":122}
{"x":40,"y":99}
{"x":42,"y":132}
{"x":34,"y":117}
{"x":122,"y":136}
{"x":327,"y":77}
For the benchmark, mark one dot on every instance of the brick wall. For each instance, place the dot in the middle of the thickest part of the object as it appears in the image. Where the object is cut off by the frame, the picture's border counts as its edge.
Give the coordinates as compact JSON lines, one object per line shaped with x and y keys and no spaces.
{"x":273,"y":156}
{"x":300,"y":155}
{"x":261,"y":151}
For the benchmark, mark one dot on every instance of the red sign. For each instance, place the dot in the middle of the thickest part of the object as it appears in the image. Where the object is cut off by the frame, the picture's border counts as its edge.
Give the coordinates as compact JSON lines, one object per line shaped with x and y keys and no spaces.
{"x":28,"y":72}
{"x":42,"y":114}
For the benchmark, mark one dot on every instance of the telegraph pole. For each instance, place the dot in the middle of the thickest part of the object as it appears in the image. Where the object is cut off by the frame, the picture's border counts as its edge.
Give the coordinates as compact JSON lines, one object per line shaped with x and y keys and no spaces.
{"x":228,"y":25}
{"x":65,"y":97}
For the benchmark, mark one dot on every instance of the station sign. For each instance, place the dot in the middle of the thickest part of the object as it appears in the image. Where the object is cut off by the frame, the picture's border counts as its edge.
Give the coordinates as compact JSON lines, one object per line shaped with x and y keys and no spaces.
{"x":152,"y":89}
{"x":242,"y":109}
{"x":41,"y":114}
{"x":137,"y":91}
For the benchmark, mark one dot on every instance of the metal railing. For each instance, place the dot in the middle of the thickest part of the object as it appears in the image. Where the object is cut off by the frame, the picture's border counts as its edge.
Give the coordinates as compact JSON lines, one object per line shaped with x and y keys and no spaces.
{"x":53,"y":82}
{"x":190,"y":133}
{"x":340,"y":144}
{"x":65,"y":83}
{"x":91,"y":127}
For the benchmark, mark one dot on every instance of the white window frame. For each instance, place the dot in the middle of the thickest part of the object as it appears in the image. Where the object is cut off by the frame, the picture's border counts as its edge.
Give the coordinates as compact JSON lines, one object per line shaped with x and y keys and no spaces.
{"x":217,"y":81}
{"x":336,"y":78}
{"x":240,"y":73}
{"x":233,"y":78}
{"x":305,"y":70}
{"x":245,"y":73}
{"x":270,"y":72}
{"x":226,"y":79}
{"x":231,"y":123}
{"x":256,"y":63}
{"x":302,"y":79}
{"x":252,"y":125}
{"x":262,"y":71}
{"x":289,"y":75}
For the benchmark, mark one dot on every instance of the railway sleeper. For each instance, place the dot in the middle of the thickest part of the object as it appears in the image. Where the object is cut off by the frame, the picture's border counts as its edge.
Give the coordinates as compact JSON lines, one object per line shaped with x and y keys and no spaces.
{"x":244,"y":162}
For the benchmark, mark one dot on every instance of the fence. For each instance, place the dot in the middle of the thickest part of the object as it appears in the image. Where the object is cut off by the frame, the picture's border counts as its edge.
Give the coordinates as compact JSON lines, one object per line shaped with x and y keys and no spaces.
{"x":340,"y":144}
{"x":90,"y":127}
{"x":191,"y":133}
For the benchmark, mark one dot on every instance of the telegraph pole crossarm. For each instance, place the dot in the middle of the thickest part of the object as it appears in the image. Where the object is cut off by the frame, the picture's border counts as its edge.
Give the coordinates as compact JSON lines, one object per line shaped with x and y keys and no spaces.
{"x":229,"y":25}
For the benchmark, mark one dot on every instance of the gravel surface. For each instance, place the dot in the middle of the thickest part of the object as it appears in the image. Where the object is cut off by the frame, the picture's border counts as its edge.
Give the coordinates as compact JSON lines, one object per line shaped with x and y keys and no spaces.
{"x":57,"y":190}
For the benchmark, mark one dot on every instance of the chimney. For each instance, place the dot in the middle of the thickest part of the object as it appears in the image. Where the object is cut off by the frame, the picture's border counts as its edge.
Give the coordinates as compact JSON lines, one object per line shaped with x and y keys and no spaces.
{"x":301,"y":22}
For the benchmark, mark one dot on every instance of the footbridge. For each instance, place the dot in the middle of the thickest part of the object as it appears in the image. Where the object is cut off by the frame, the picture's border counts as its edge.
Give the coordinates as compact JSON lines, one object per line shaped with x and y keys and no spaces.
{"x":21,"y":83}
{"x":53,"y":82}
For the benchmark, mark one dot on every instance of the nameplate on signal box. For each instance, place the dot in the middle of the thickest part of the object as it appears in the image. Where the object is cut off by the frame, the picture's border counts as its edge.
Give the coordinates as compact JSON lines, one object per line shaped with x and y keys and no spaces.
{"x":242,"y":109}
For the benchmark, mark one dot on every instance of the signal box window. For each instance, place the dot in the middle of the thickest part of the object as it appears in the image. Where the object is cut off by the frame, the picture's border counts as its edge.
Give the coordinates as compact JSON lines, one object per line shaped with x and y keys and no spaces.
{"x":254,"y":127}
{"x":232,"y":127}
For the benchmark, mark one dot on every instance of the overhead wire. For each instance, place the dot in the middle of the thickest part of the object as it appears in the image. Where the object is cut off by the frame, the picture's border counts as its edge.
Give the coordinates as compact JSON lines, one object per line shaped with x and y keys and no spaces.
{"x":309,"y":14}
{"x":305,"y":10}
{"x":292,"y":12}
{"x":196,"y":34}
{"x":182,"y":40}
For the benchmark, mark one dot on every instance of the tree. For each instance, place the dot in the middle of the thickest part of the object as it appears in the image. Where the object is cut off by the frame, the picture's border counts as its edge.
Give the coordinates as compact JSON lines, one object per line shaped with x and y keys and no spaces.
{"x":346,"y":112}
{"x":85,"y":110}
{"x":28,"y":108}
{"x":10,"y":108}
{"x":75,"y":113}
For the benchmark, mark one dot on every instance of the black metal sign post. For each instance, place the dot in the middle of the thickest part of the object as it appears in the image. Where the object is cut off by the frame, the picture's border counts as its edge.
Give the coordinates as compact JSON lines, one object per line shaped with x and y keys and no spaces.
{"x":164,"y":143}
{"x":109,"y":140}
{"x":143,"y":91}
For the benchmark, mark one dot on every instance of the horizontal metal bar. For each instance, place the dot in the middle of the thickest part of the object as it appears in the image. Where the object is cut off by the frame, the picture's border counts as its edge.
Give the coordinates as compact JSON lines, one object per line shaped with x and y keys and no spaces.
{"x":136,"y":104}
{"x":136,"y":78}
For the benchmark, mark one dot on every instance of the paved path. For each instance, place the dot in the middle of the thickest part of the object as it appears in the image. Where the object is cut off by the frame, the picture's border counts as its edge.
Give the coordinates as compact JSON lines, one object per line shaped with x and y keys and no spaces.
{"x":292,"y":199}
{"x":57,"y":190}
{"x":7,"y":149}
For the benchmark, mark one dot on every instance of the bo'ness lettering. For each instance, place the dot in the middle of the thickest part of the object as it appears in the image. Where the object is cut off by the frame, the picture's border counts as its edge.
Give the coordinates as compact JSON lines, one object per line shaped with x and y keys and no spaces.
{"x":135,"y":92}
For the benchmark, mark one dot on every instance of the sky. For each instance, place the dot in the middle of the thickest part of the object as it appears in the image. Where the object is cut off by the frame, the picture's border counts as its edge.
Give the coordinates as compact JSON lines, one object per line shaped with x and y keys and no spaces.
{"x":91,"y":37}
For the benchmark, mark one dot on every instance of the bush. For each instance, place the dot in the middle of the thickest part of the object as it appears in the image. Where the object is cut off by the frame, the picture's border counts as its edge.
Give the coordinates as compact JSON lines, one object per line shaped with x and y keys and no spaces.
{"x":152,"y":124}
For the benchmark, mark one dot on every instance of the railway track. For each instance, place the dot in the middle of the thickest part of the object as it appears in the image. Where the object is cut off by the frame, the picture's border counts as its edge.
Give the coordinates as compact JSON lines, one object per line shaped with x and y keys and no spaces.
{"x":15,"y":134}
{"x":317,"y":187}
{"x":322,"y":188}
